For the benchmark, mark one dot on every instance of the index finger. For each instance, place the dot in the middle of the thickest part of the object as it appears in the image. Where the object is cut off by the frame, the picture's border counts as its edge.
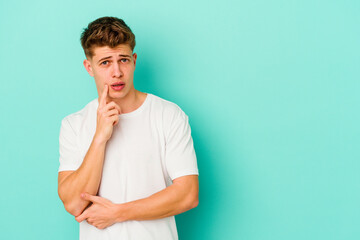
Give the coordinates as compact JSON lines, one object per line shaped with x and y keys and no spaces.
{"x":103,"y":96}
{"x":91,"y":198}
{"x":81,"y":217}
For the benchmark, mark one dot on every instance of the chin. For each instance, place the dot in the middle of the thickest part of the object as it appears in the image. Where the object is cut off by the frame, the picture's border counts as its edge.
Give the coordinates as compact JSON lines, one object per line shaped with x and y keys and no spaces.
{"x":117,"y":95}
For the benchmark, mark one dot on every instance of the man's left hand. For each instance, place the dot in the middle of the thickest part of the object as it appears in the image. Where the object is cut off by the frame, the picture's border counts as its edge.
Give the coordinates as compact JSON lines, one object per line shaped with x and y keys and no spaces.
{"x":101,"y":214}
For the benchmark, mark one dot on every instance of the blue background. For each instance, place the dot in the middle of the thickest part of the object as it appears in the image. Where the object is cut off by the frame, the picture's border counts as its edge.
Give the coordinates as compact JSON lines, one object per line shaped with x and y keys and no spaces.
{"x":271,"y":89}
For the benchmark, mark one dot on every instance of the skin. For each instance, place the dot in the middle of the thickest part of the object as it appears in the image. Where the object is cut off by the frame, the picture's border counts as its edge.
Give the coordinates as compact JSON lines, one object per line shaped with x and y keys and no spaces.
{"x":78,"y":189}
{"x":110,"y":65}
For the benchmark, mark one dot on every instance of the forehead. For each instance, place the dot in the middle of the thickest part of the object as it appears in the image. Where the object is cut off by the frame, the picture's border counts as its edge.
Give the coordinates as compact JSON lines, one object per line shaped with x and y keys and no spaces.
{"x":105,"y":51}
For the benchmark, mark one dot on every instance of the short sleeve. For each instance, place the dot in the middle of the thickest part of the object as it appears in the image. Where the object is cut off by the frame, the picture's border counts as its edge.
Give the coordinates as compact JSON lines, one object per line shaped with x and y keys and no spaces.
{"x":68,"y":148}
{"x":180,"y":153}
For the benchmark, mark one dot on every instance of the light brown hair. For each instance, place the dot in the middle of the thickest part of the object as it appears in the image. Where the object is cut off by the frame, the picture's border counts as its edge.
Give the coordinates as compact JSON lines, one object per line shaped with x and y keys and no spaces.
{"x":106,"y":31}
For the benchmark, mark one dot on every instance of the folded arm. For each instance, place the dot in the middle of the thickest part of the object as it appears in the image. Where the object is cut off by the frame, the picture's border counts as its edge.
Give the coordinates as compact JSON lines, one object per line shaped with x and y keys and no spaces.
{"x":85,"y":179}
{"x":181,"y":196}
{"x":88,"y":176}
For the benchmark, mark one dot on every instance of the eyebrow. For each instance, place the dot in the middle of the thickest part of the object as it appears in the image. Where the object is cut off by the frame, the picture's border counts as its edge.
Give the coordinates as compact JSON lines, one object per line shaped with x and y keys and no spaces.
{"x":120,"y":55}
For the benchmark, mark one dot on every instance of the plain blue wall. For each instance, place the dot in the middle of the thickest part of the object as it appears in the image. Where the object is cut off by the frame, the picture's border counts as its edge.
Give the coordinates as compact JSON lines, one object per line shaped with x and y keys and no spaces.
{"x":271,"y":89}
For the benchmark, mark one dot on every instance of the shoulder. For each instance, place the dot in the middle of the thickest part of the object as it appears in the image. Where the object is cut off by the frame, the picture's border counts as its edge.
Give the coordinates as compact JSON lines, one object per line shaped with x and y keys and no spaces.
{"x":168,"y":109}
{"x":170,"y":115}
{"x":76,"y":119}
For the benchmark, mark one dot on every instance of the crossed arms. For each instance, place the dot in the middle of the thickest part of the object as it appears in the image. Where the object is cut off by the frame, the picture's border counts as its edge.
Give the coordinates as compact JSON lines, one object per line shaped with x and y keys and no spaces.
{"x":78,"y":189}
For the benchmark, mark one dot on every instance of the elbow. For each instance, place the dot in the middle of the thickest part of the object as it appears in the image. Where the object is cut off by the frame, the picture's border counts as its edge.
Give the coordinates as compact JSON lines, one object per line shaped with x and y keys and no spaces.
{"x":72,"y":209}
{"x":192,"y":199}
{"x":71,"y":206}
{"x":194,"y":203}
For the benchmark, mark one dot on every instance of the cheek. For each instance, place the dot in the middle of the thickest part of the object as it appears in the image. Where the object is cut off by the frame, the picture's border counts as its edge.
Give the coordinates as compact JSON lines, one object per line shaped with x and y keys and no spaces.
{"x":101,"y":75}
{"x":130,"y":71}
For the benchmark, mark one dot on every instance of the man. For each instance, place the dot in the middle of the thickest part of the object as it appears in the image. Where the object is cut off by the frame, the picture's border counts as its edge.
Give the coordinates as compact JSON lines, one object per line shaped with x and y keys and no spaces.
{"x":127,"y":161}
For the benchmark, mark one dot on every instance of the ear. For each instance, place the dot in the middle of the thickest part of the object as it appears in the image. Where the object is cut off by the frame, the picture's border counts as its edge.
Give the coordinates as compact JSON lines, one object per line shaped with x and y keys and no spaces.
{"x":88,"y":67}
{"x":134,"y":56}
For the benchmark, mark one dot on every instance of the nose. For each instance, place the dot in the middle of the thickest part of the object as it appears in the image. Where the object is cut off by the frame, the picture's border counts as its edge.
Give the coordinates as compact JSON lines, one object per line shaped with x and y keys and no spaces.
{"x":116,"y":70}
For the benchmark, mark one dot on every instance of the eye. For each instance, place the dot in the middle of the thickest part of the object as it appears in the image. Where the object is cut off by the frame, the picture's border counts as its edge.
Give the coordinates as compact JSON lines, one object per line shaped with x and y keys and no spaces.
{"x":124,"y":60}
{"x":104,"y":62}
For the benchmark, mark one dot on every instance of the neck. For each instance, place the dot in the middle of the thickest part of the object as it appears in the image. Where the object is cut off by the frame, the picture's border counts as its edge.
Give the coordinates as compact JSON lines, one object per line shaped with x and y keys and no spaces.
{"x":131,"y":101}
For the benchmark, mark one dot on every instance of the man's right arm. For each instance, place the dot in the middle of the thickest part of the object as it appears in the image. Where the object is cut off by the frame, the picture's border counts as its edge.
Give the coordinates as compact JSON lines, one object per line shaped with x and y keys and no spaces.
{"x":88,"y":176}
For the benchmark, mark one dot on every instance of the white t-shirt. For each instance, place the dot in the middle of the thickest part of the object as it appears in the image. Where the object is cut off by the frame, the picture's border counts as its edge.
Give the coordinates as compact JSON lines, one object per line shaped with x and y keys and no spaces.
{"x":149,"y":148}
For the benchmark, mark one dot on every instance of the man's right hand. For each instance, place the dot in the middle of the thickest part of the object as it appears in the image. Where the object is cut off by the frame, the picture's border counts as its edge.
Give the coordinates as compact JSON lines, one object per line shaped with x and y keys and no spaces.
{"x":107,"y":117}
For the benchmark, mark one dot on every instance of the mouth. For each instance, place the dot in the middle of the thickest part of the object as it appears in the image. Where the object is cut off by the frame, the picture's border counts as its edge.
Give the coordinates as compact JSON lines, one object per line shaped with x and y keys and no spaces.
{"x":118,"y":86}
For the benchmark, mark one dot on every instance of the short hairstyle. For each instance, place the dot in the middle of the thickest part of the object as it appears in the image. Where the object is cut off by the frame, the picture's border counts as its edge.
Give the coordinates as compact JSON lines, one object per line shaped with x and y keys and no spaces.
{"x":106,"y":31}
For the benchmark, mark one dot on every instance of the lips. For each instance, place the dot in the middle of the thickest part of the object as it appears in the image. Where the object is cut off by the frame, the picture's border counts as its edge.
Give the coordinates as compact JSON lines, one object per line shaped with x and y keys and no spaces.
{"x":117,"y":86}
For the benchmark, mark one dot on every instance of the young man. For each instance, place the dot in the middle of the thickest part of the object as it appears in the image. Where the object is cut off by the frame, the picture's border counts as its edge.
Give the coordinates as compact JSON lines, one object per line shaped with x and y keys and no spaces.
{"x":127,"y":161}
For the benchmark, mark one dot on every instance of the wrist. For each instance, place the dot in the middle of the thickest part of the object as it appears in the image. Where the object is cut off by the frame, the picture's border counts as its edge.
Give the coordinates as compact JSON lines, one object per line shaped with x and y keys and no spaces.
{"x":98,"y":140}
{"x":122,"y":212}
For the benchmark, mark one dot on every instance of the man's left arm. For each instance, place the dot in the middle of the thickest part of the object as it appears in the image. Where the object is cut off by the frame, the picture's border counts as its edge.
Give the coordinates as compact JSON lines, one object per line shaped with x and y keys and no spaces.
{"x":179,"y":197}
